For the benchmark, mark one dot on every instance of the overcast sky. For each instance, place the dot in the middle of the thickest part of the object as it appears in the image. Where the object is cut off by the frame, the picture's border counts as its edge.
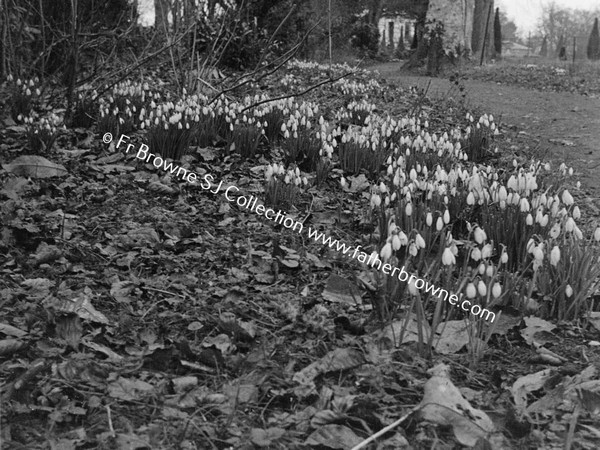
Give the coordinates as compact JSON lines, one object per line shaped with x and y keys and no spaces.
{"x":526,"y":13}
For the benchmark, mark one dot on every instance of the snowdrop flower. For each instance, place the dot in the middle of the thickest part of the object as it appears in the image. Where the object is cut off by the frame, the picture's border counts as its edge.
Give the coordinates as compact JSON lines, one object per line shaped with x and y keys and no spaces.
{"x":555,"y":231}
{"x":538,"y":253}
{"x":481,"y":269}
{"x":486,"y":251}
{"x":476,"y":254}
{"x":597,"y":234}
{"x":496,"y":290}
{"x":448,"y":257}
{"x":408,"y":209}
{"x":396,"y":244}
{"x":446,"y":217}
{"x":479,"y":235}
{"x":482,"y":288}
{"x":529,"y":219}
{"x":504,"y":257}
{"x":412,"y":288}
{"x":555,"y":256}
{"x":403,"y":238}
{"x":567,"y":198}
{"x":386,"y":251}
{"x":544,"y":220}
{"x":568,"y":290}
{"x":502,"y":194}
{"x":375,"y":201}
{"x":439,"y":224}
{"x":489,"y":270}
{"x":413,"y":249}
{"x":471,"y":291}
{"x":470,"y":199}
{"x":576,"y":213}
{"x":419,"y":241}
{"x":429,"y":219}
{"x":577,"y":232}
{"x":524,"y":205}
{"x":570,"y":225}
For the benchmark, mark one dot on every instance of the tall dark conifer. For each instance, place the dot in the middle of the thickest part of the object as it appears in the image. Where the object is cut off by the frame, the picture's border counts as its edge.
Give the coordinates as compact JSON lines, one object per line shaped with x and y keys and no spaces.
{"x":497,"y":33}
{"x":593,"y":48}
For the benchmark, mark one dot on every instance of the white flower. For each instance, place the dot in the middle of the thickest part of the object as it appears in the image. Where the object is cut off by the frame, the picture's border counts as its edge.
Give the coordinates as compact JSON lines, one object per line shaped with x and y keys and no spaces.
{"x":538,"y":253}
{"x":343,"y":182}
{"x":567,"y":198}
{"x":489,"y":270}
{"x":413,"y":249}
{"x":555,"y":255}
{"x":570,"y":225}
{"x":412,"y":288}
{"x":408,"y":209}
{"x":471,"y":291}
{"x":568,"y":290}
{"x":486,"y":251}
{"x":504,"y":257}
{"x":524,"y":205}
{"x":420,"y":241}
{"x":446,"y":217}
{"x":386,"y":251}
{"x":396,"y":244}
{"x":470,"y":199}
{"x":375,"y":200}
{"x":529,"y":219}
{"x":448,"y":257}
{"x":502,"y":194}
{"x":496,"y":290}
{"x":476,"y":254}
{"x":481,"y":288}
{"x":597,"y":234}
{"x":555,"y":231}
{"x":429,"y":219}
{"x":439,"y":224}
{"x":576,"y":213}
{"x":481,"y":269}
{"x":479,"y":235}
{"x":403,"y":238}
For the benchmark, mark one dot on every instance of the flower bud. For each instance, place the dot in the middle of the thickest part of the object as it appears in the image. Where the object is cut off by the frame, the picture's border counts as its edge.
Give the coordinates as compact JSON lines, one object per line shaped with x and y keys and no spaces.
{"x":448,"y":257}
{"x":429,"y":219}
{"x":568,"y":290}
{"x":555,"y":255}
{"x":479,"y":235}
{"x":439,"y":224}
{"x":567,"y":198}
{"x":482,"y":288}
{"x":471,"y":290}
{"x":496,"y":290}
{"x":386,"y":251}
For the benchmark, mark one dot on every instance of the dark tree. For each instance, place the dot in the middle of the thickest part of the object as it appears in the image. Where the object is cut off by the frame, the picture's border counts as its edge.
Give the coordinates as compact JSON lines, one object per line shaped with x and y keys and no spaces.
{"x":560,"y":46}
{"x":544,"y":48}
{"x":593,"y":48}
{"x":497,"y":33}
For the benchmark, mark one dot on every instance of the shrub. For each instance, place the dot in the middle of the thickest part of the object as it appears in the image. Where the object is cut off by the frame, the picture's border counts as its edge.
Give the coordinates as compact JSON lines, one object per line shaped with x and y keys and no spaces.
{"x":365,"y":37}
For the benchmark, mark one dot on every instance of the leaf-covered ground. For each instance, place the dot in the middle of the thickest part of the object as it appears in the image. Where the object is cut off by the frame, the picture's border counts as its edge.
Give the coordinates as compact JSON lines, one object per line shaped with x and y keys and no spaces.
{"x":139,"y":311}
{"x":557,"y":76}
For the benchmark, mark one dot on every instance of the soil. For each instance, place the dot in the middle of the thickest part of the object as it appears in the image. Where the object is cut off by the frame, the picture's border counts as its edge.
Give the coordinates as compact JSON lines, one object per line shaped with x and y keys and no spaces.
{"x":554,"y":126}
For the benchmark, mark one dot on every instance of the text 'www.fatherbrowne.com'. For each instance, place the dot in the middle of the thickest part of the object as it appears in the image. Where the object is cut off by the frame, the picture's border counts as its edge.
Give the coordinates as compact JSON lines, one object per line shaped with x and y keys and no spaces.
{"x":251,"y":204}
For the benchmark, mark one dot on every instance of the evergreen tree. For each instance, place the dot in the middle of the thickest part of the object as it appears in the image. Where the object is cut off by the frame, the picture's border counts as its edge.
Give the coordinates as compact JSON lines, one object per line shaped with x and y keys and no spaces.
{"x":497,"y":33}
{"x":593,"y":48}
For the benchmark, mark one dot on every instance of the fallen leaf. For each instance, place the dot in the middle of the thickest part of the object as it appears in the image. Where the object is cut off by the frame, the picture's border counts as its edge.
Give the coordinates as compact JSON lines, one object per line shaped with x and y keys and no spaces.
{"x":334,"y":436}
{"x":35,"y":166}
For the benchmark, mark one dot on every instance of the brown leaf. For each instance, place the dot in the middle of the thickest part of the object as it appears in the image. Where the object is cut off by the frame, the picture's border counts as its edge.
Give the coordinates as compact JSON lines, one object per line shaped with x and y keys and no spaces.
{"x":35,"y":166}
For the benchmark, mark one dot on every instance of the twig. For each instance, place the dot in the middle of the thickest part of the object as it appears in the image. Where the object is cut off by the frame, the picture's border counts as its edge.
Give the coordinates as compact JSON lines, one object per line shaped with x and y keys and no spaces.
{"x":383,"y":431}
{"x":110,"y":424}
{"x":296,"y":94}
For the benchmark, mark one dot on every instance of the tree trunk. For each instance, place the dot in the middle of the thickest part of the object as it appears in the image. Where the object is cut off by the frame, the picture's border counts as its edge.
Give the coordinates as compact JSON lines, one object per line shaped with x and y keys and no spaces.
{"x":481,"y":15}
{"x":161,"y":16}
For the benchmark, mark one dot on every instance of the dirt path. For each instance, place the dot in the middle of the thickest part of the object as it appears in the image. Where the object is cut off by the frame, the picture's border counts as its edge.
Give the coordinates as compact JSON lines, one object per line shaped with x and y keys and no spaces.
{"x":565,"y":124}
